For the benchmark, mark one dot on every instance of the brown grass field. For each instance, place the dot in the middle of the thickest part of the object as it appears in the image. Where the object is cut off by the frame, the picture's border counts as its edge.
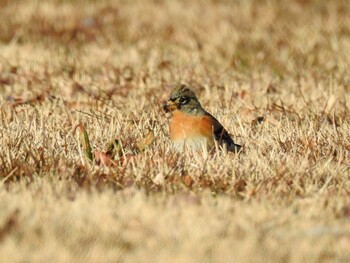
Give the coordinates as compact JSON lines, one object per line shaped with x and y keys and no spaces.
{"x":276,"y":75}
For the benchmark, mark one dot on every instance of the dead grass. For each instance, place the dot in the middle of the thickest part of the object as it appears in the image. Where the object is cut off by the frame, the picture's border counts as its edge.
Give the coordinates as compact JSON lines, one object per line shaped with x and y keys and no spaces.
{"x":275,"y":73}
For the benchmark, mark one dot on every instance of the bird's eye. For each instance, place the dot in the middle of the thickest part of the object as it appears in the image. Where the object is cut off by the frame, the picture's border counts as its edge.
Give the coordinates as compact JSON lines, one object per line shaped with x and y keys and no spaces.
{"x":183,"y":100}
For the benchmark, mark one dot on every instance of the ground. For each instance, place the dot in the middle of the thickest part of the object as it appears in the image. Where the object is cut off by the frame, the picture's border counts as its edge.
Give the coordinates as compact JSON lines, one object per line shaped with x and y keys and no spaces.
{"x":276,"y":75}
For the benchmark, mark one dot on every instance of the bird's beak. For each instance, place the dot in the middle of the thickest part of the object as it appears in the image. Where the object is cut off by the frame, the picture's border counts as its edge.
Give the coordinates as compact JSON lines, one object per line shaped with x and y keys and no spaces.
{"x":169,"y":106}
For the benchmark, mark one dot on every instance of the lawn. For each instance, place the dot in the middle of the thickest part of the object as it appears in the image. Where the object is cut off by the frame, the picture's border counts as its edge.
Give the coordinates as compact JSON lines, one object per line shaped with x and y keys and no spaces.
{"x":274,"y":73}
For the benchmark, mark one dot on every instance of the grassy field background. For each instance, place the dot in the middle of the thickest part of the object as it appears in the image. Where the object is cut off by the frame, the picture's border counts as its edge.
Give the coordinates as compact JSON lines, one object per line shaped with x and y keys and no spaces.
{"x":276,"y":75}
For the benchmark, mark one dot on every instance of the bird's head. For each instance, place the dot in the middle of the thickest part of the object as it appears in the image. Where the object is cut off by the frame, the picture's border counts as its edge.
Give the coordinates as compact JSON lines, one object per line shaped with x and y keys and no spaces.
{"x":182,"y":98}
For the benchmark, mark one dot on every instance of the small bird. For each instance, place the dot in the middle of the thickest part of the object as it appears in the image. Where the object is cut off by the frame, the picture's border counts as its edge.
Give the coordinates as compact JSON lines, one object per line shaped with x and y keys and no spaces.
{"x":191,"y":126}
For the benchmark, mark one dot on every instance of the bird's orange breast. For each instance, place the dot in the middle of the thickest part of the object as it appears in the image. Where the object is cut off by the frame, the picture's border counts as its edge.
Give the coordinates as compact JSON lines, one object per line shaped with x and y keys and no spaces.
{"x":183,"y":126}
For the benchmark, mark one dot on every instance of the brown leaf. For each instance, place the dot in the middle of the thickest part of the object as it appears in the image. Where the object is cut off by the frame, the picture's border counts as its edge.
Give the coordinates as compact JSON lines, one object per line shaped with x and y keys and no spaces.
{"x":187,"y":180}
{"x":103,"y":159}
{"x":240,"y":185}
{"x":10,"y":223}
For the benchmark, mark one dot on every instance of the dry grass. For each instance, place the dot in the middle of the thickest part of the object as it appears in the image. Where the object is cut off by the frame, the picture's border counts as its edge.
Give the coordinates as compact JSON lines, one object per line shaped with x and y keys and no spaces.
{"x":275,"y":73}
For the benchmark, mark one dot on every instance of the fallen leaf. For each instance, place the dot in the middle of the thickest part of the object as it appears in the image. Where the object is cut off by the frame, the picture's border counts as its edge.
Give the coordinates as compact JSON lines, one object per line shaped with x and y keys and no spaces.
{"x":103,"y":159}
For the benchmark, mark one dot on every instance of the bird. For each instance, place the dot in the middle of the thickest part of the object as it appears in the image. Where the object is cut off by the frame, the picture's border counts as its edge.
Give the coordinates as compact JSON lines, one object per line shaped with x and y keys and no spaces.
{"x":191,"y":126}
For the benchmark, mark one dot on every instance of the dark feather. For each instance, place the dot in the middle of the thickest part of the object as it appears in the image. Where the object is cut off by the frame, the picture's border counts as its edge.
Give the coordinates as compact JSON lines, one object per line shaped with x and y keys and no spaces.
{"x":222,"y":136}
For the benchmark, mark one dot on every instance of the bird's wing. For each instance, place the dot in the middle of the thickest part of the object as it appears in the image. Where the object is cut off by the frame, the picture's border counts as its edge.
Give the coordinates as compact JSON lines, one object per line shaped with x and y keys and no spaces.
{"x":221,"y":135}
